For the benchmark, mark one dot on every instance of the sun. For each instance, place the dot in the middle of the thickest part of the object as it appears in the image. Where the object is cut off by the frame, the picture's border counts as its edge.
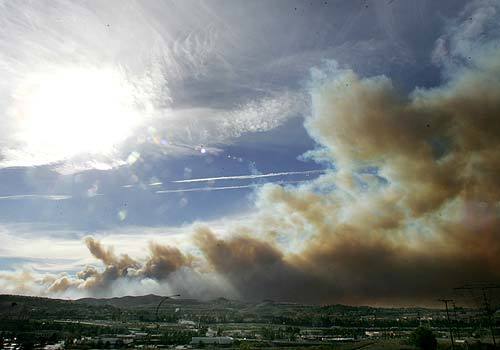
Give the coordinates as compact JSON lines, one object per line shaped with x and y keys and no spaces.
{"x":65,"y":112}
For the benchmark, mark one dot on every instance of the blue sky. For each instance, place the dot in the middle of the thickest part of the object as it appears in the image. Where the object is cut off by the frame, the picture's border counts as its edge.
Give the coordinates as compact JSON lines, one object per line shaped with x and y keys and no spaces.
{"x":273,"y":49}
{"x":105,"y":105}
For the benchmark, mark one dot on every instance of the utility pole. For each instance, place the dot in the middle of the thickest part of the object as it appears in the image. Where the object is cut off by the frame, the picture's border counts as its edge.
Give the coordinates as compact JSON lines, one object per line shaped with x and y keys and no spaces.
{"x":161,"y":302}
{"x":484,"y":288}
{"x":455,"y":319}
{"x":446,"y":301}
{"x":454,"y":311}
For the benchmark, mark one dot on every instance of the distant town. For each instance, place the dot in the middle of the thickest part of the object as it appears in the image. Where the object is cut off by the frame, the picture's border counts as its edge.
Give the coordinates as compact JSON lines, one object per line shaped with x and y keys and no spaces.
{"x":156,"y":322}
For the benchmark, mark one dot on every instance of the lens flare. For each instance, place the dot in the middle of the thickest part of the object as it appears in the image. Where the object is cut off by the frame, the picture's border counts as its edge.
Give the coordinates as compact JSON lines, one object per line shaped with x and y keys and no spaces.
{"x":62,"y":113}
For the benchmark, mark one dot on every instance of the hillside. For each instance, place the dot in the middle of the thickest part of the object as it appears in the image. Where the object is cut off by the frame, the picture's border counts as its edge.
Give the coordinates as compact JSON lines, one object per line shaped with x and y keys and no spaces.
{"x":20,"y":307}
{"x":143,"y":308}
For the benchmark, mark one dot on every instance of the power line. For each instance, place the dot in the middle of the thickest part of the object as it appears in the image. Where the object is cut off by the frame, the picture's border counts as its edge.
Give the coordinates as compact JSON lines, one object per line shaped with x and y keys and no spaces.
{"x":484,"y":288}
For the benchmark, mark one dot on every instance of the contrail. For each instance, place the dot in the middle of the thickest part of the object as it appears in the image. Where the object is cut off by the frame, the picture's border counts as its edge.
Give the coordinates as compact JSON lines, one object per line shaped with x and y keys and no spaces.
{"x":203,"y":189}
{"x":253,"y":176}
{"x":200,"y":189}
{"x":51,"y":197}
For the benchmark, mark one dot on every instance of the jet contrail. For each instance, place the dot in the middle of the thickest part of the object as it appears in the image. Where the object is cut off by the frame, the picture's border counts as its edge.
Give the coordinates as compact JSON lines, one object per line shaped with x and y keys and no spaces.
{"x":203,"y":189}
{"x":235,"y":177}
{"x":200,"y":189}
{"x":51,"y":197}
{"x":253,"y":176}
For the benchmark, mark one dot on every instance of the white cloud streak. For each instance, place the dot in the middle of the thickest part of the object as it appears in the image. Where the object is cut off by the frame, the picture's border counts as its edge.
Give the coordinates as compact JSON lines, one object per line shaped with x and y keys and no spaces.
{"x":251,"y":176}
{"x":51,"y":197}
{"x":205,"y":189}
{"x":222,"y":188}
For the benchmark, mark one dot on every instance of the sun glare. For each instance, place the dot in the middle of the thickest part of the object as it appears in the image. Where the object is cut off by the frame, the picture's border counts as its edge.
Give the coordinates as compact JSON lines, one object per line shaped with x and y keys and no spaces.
{"x":74,"y":111}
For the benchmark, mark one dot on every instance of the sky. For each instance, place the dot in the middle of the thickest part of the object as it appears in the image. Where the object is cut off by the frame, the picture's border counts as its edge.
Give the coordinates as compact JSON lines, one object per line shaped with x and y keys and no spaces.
{"x":306,"y":151}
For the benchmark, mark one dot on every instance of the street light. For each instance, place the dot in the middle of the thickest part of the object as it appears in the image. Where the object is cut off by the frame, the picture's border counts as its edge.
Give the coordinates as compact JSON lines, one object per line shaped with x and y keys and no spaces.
{"x":161,"y":302}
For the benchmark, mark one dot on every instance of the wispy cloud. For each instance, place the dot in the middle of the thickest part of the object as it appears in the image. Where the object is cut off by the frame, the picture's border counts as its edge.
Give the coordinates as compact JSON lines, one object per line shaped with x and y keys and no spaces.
{"x":122,"y":89}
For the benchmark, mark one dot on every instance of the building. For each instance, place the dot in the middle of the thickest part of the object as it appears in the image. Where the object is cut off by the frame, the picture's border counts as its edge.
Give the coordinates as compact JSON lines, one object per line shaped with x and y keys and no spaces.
{"x":186,"y":323}
{"x":210,"y":332}
{"x":212,"y":340}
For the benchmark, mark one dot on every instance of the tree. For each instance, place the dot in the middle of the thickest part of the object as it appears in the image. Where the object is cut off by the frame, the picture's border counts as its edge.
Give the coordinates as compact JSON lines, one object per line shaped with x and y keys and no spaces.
{"x":245,"y":346}
{"x":423,"y":338}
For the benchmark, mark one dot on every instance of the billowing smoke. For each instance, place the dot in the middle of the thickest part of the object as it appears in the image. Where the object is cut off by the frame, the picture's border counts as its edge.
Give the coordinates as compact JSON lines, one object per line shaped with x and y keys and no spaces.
{"x":409,"y":210}
{"x":412,"y":207}
{"x":163,"y":261}
{"x":115,"y":267}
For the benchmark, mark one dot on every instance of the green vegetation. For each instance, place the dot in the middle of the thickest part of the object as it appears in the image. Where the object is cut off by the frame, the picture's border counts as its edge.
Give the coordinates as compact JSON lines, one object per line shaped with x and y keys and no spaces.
{"x":119,"y":322}
{"x":423,"y":338}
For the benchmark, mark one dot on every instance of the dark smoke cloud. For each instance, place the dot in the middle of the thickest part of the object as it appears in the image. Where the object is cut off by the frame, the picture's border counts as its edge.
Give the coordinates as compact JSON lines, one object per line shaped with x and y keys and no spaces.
{"x":256,"y":268}
{"x":115,"y":267}
{"x":425,"y":219}
{"x":108,"y":257}
{"x":163,"y":261}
